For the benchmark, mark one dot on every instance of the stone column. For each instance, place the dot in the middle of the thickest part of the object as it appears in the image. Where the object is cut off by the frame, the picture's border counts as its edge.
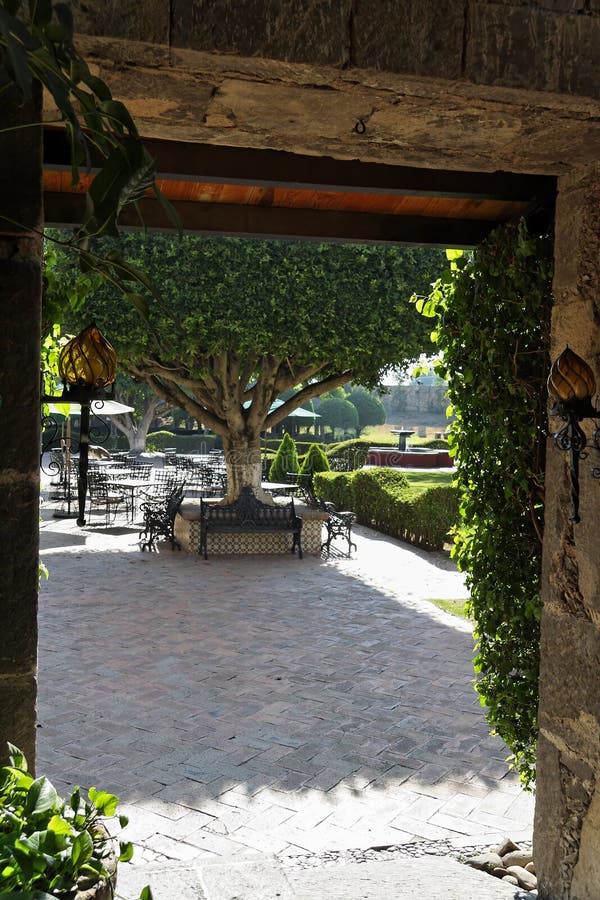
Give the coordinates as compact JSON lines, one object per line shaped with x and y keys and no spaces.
{"x":567,"y":820}
{"x":20,"y":306}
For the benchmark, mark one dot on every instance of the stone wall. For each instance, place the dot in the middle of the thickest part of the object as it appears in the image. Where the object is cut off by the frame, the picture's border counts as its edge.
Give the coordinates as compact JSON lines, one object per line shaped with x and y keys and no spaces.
{"x":545,"y":45}
{"x":567,"y":825}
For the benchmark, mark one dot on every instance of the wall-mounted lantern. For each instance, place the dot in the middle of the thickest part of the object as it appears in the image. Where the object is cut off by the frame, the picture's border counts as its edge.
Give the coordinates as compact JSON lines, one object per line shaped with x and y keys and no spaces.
{"x":571,"y":384}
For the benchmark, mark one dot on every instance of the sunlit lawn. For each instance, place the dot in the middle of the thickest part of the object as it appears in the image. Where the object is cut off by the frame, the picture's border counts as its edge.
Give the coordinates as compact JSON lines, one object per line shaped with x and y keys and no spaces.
{"x":429,"y":479}
{"x":455,"y":607}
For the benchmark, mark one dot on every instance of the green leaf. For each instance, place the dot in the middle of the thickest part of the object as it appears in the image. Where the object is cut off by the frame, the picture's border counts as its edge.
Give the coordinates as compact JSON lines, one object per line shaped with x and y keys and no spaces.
{"x":40,"y":12}
{"x":119,"y":116}
{"x":105,"y":803}
{"x":75,"y":799}
{"x":168,"y":209}
{"x":17,"y":757}
{"x":82,"y":849}
{"x":140,"y":302}
{"x":41,"y":798}
{"x":58,"y":825}
{"x":64,"y":15}
{"x":126,"y":851}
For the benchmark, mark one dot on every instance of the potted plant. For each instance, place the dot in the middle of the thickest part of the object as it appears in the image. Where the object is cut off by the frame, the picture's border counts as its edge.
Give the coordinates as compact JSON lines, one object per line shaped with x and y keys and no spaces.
{"x":55,"y":848}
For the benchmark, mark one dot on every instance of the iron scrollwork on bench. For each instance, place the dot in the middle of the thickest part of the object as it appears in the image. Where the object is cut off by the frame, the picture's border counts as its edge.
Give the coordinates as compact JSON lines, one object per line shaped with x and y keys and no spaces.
{"x":248,"y":515}
{"x":339,"y":524}
{"x":159,"y":519}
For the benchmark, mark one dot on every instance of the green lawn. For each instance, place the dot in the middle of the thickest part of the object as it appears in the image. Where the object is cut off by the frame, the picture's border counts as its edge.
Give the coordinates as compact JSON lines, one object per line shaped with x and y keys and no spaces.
{"x":455,"y":607}
{"x":429,"y":479}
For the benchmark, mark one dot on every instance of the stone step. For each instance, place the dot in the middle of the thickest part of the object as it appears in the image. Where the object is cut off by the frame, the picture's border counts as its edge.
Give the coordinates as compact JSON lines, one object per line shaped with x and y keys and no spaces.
{"x":264,"y":878}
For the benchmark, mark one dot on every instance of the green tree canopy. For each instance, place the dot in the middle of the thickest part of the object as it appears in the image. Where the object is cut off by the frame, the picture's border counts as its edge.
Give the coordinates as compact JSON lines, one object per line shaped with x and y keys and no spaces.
{"x":370,"y":409}
{"x":242,"y":321}
{"x":338,"y":413}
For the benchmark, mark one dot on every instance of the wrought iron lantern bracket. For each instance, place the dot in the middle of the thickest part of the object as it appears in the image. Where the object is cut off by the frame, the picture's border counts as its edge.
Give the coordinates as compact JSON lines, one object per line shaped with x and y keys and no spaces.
{"x":571,"y":384}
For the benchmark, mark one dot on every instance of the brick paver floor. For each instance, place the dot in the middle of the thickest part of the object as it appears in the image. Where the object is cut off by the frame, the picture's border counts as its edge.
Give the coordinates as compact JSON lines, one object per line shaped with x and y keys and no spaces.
{"x":266,"y":704}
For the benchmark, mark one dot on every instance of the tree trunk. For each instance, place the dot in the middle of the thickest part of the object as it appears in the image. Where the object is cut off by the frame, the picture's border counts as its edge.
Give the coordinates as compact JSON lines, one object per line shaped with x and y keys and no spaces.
{"x":137,"y":441}
{"x":242,"y":458}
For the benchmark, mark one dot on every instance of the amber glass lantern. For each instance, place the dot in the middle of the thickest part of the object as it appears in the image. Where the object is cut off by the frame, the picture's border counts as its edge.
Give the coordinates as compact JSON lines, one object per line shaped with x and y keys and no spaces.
{"x":88,"y":361}
{"x":572,"y":385}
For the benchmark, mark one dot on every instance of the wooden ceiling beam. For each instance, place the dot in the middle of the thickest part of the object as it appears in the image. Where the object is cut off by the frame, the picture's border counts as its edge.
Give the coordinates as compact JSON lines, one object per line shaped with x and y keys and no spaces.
{"x":62,"y":209}
{"x":273,"y":168}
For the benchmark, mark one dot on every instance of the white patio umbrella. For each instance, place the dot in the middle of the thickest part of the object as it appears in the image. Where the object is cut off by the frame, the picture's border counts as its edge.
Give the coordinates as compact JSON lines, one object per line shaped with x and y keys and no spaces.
{"x":97,"y":407}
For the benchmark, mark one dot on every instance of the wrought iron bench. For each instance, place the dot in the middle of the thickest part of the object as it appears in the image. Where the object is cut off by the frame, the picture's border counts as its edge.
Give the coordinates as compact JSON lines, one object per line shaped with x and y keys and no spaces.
{"x":339,"y":522}
{"x":159,"y":520}
{"x":248,"y":515}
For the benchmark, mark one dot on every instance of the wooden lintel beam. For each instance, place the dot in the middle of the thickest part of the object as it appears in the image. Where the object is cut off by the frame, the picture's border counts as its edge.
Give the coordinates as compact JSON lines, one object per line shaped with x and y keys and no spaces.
{"x":307,"y":224}
{"x":273,"y":168}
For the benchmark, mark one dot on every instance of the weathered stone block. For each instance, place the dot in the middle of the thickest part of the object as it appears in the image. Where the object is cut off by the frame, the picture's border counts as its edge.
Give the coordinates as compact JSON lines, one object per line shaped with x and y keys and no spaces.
{"x":147,"y":21}
{"x":519,"y":46}
{"x":570,"y":666}
{"x":580,"y":56}
{"x":281,"y":29}
{"x":424,"y":38}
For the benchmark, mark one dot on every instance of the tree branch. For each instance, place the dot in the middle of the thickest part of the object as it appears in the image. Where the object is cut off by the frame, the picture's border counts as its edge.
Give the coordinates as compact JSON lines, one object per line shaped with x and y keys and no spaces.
{"x":307,"y":393}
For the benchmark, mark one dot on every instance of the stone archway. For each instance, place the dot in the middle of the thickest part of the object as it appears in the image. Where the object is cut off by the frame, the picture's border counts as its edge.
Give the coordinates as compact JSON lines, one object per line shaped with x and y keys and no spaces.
{"x":430,"y":95}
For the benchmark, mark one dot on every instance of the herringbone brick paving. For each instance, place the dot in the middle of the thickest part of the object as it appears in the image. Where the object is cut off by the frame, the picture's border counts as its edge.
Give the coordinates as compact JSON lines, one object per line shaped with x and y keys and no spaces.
{"x":265,"y":704}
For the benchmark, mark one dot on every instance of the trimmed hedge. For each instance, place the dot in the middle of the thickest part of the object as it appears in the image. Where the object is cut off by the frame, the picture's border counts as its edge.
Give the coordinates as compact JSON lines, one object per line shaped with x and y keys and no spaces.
{"x":383,"y":499}
{"x":315,"y":461}
{"x":336,"y":487}
{"x":183,"y":443}
{"x":285,"y":461}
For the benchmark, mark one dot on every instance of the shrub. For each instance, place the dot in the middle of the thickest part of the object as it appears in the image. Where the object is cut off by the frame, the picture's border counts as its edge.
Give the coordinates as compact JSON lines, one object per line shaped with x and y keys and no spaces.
{"x":336,"y":487}
{"x":314,"y":461}
{"x":384,"y":499}
{"x":286,"y":460}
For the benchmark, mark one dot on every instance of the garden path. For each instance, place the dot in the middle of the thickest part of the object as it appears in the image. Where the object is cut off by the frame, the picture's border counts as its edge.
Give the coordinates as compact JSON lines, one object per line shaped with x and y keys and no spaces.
{"x":266,"y":704}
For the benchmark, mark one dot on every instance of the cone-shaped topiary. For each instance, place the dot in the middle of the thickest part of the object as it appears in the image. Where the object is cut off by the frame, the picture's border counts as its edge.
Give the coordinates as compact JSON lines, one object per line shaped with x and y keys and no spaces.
{"x":314,"y":461}
{"x":286,"y":460}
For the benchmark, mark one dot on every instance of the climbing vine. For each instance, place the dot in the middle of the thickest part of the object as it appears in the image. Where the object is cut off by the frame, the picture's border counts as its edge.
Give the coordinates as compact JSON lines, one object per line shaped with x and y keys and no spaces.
{"x":493,"y":310}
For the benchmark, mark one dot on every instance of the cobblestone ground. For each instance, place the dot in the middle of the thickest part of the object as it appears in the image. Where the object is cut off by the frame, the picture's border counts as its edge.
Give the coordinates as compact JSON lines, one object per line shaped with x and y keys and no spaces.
{"x":266,"y":704}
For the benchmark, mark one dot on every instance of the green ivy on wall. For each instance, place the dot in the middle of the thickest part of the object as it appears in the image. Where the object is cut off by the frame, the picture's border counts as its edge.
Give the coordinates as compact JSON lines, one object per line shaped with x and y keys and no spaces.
{"x":493,"y":313}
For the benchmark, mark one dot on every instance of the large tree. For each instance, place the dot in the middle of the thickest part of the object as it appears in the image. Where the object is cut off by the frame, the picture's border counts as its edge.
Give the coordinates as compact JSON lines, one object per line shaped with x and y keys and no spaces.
{"x":245,"y":321}
{"x":134,"y":425}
